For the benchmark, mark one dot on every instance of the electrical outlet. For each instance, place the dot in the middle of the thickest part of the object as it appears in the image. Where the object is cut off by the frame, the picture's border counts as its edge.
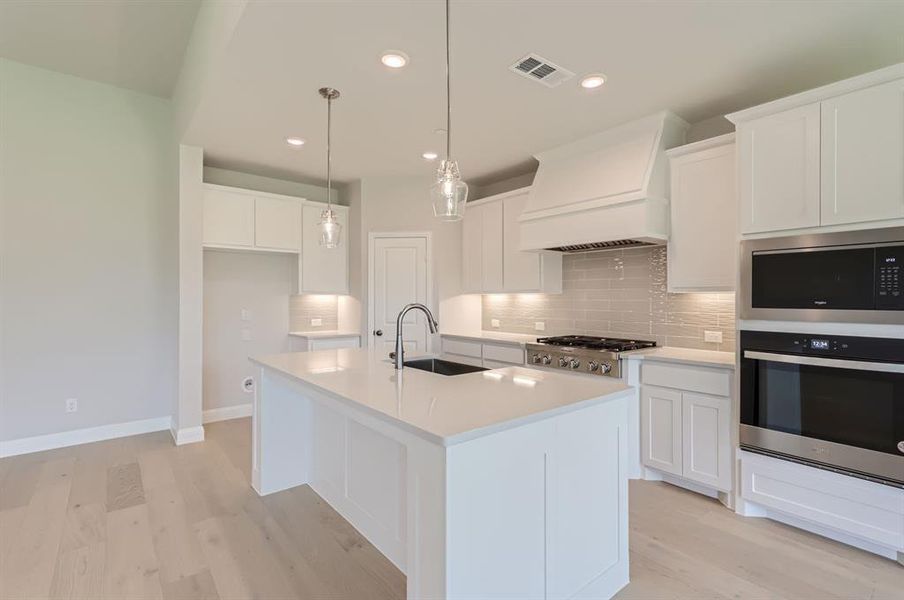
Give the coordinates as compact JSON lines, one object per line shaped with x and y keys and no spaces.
{"x":316,"y":322}
{"x":71,"y":405}
{"x":246,"y":335}
{"x":712,"y":336}
{"x":246,"y":314}
{"x":494,"y":322}
{"x":248,"y":385}
{"x":540,"y":326}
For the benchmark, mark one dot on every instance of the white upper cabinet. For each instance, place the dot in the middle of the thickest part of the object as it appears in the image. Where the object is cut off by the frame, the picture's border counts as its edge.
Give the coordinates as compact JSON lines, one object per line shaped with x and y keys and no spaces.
{"x":778,"y":171}
{"x":277,"y":223}
{"x":244,"y":219}
{"x":829,"y":157}
{"x":228,"y":218}
{"x":322,"y":270}
{"x":703,"y":242}
{"x":863,"y":155}
{"x":491,"y":259}
{"x":493,"y":246}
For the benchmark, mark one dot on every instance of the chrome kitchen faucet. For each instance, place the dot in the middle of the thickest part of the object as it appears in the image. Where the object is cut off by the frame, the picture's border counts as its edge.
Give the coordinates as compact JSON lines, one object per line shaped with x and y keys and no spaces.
{"x":399,"y":355}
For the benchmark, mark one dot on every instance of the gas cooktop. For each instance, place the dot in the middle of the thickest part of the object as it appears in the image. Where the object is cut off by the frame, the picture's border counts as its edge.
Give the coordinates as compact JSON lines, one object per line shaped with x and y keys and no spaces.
{"x":594,"y":355}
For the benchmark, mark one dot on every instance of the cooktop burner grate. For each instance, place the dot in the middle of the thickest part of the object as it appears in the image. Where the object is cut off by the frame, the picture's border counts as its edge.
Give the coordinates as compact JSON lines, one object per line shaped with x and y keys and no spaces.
{"x":595,"y":343}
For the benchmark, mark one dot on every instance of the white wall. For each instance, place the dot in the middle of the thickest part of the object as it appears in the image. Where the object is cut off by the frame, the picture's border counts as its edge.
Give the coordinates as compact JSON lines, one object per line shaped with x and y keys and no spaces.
{"x":259,"y":283}
{"x":249,"y":181}
{"x":403,"y":204}
{"x":88,"y":244}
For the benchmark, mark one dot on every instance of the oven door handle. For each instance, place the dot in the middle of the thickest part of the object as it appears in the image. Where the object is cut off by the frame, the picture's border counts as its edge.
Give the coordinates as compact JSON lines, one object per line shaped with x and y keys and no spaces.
{"x":818,"y":361}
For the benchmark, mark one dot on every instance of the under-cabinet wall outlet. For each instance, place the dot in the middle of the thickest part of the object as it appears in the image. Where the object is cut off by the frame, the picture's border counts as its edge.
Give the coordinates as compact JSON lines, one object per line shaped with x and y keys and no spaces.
{"x":540,"y":326}
{"x":712,"y":336}
{"x":316,"y":322}
{"x":246,"y":314}
{"x":246,"y":335}
{"x":71,"y":405}
{"x":494,"y":323}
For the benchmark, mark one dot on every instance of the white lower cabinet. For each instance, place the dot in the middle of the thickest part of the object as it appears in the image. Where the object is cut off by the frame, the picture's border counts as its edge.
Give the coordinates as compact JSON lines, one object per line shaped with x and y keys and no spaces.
{"x":684,"y":432}
{"x":491,"y":355}
{"x":311,"y":344}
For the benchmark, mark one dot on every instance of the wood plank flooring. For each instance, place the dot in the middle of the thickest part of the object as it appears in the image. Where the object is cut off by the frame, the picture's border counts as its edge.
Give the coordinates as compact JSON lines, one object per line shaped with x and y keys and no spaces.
{"x":140,"y":518}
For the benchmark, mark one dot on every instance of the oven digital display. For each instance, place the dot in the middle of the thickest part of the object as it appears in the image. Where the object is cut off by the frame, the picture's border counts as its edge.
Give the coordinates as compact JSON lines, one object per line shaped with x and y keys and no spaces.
{"x":819,"y":344}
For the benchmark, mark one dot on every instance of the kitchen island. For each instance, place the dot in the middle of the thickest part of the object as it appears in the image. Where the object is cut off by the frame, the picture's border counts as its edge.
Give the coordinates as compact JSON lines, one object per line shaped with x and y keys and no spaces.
{"x":510,"y":483}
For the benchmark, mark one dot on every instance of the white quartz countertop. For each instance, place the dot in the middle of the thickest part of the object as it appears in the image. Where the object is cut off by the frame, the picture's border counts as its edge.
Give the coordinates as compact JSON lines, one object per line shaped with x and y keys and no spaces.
{"x":494,"y":336}
{"x":692,"y":356}
{"x":327,"y":333}
{"x":443,"y":409}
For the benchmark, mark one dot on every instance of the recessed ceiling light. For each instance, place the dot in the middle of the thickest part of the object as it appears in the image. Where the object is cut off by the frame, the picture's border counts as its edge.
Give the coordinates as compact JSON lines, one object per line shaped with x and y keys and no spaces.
{"x":294,"y":141}
{"x":429,"y":155}
{"x":593,"y":81}
{"x":394,"y":59}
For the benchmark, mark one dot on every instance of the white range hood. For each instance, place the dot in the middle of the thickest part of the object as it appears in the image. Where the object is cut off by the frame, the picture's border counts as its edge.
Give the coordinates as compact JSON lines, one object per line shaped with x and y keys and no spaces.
{"x":606,"y":190}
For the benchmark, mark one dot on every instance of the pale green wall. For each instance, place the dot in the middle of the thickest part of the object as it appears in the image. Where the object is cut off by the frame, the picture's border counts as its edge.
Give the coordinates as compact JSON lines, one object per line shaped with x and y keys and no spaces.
{"x":89,"y":251}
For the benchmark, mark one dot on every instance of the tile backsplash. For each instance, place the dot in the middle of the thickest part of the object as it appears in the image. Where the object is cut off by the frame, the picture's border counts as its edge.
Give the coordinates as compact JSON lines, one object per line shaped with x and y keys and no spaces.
{"x":313,"y":306}
{"x":618,"y":293}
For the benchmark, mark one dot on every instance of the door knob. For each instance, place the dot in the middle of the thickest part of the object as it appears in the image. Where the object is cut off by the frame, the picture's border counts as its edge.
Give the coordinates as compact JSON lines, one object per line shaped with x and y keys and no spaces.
{"x":378,"y":332}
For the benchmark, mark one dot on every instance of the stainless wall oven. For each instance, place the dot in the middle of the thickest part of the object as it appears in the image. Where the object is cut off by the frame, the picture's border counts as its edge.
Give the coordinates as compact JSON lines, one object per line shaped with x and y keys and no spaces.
{"x":835,"y":402}
{"x":844,"y":277}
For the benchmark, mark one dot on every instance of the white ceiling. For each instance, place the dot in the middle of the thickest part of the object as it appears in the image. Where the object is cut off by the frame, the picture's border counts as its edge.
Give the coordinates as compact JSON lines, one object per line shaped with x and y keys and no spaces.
{"x":134,"y":44}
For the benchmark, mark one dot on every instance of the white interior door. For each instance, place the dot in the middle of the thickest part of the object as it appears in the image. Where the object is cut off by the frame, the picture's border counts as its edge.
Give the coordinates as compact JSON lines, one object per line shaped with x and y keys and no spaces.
{"x":399,"y":276}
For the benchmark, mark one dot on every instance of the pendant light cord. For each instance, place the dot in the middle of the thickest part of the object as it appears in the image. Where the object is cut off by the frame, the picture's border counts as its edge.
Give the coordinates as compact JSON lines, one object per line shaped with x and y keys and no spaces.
{"x":448,"y":90}
{"x":329,"y":155}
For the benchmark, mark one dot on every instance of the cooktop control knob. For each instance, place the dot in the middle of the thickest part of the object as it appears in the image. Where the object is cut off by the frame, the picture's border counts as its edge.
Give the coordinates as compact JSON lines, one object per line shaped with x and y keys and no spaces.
{"x":607,"y":367}
{"x":546,"y":360}
{"x":574,"y":363}
{"x":592,"y":366}
{"x":563,"y":363}
{"x":535,"y":358}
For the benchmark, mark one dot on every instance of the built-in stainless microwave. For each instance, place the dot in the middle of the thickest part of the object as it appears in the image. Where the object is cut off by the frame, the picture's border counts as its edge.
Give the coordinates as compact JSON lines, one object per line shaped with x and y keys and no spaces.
{"x":845,"y":277}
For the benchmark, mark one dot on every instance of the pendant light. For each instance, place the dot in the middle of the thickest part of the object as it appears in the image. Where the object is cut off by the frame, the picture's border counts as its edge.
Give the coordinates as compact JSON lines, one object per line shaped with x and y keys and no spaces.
{"x":449,"y":193}
{"x":330,"y":229}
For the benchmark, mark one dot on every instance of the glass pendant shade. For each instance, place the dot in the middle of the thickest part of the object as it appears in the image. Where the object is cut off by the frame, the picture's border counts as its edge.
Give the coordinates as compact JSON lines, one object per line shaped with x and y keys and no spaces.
{"x":330,"y":229}
{"x":449,"y":193}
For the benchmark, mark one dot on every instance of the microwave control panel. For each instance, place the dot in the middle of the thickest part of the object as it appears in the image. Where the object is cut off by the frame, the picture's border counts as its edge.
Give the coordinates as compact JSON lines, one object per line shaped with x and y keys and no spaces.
{"x":890,"y":278}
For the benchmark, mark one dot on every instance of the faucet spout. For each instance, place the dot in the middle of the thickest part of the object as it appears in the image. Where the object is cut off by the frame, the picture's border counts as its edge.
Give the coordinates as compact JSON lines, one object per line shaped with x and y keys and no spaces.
{"x":399,"y":355}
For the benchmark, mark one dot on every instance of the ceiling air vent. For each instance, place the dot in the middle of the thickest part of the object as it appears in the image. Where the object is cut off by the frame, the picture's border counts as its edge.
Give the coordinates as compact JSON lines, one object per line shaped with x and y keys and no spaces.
{"x":537,"y":68}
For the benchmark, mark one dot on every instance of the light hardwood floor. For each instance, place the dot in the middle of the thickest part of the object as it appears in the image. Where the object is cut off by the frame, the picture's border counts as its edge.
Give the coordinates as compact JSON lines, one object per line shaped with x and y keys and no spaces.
{"x":141,"y":518}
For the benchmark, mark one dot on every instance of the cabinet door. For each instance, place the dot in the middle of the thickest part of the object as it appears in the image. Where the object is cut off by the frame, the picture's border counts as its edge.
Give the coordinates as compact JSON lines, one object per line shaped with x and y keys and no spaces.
{"x":492,"y":247}
{"x":228,"y":218}
{"x":706,"y":446}
{"x":703,"y":243}
{"x":322,"y":270}
{"x":521,"y":270}
{"x":660,"y":428}
{"x":472,"y":250}
{"x":778,"y":170}
{"x":277,"y":223}
{"x":863,"y":155}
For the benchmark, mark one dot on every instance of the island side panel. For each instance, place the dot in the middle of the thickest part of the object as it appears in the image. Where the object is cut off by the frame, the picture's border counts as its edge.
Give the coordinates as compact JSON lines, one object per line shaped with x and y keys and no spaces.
{"x":426,"y":519}
{"x":541,"y":511}
{"x":281,"y":434}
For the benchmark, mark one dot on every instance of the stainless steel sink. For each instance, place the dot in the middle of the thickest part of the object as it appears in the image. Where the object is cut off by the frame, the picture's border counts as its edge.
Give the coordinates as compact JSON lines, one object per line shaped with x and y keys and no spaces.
{"x":442,"y":367}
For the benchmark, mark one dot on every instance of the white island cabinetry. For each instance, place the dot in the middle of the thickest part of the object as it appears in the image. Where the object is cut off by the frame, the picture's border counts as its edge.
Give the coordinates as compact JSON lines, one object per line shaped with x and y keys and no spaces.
{"x":507,"y":485}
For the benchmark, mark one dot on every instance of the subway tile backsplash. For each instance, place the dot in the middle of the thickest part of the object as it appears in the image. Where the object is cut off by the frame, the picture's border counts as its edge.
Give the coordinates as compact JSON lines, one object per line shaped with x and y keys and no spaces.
{"x":618,"y":293}
{"x":313,"y":306}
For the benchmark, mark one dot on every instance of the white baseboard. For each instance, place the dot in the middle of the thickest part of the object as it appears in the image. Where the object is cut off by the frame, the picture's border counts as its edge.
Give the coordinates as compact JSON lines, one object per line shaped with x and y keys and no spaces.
{"x":225,"y":413}
{"x":188,"y":435}
{"x":75,"y":437}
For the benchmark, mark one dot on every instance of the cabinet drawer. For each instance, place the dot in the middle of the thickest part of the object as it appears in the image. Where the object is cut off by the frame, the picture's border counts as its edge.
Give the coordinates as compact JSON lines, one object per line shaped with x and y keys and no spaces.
{"x":870,"y":511}
{"x":463,"y":347}
{"x":705,"y":380}
{"x":504,"y":353}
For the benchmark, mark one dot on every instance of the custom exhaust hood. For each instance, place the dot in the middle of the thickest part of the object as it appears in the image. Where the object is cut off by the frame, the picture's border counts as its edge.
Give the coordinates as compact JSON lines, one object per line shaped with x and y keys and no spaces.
{"x":608,"y":190}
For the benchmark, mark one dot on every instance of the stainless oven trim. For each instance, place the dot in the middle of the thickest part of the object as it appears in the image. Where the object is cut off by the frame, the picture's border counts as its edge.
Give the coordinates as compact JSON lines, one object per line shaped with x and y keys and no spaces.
{"x":859,"y":462}
{"x":826,"y":241}
{"x":818,"y":361}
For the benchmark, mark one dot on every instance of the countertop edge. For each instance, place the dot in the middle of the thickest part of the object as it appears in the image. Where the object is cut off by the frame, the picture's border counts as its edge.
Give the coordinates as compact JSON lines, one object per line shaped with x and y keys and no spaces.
{"x":324,"y":334}
{"x":478,"y":337}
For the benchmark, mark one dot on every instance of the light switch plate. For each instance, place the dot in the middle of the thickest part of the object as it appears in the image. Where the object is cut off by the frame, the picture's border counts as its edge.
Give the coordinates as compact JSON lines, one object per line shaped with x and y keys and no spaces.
{"x":71,"y":405}
{"x":246,"y":314}
{"x":494,"y":322}
{"x":246,"y":335}
{"x":316,"y":322}
{"x":712,"y":336}
{"x":540,"y":326}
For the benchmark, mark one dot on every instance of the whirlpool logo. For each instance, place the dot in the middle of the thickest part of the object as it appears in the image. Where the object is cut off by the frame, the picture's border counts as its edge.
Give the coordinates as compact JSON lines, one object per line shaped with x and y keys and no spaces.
{"x":820,"y":302}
